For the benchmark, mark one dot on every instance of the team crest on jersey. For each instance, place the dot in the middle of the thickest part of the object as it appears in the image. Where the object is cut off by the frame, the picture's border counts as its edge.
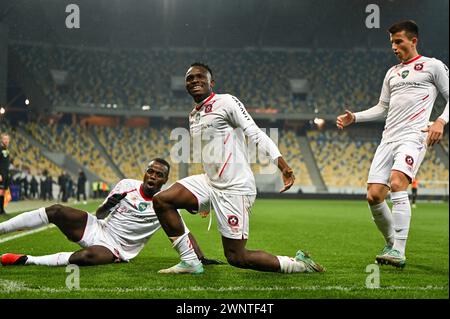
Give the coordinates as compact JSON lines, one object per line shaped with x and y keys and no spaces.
{"x":233,"y":220}
{"x":418,"y":66}
{"x":409,"y":160}
{"x":142,"y":206}
{"x":405,"y":74}
{"x":208,"y":108}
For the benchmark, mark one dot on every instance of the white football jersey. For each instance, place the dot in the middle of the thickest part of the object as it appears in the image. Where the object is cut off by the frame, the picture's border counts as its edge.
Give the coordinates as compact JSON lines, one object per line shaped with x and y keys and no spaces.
{"x":217,"y":128}
{"x":410,"y":89}
{"x":133,"y":220}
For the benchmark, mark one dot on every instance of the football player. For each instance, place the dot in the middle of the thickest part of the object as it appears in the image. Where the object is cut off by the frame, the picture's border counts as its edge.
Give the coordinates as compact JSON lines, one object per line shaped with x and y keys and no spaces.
{"x":121,"y":227}
{"x":407,"y":97}
{"x":228,"y":184}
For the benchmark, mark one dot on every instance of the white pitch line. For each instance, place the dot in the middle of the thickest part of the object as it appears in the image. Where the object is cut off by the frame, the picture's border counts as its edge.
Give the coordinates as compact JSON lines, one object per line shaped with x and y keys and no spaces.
{"x":9,"y":286}
{"x":25,"y":233}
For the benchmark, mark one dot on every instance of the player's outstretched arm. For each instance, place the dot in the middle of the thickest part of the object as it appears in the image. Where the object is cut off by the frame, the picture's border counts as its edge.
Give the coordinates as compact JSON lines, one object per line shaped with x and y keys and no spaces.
{"x":344,"y":120}
{"x":104,"y":209}
{"x":376,"y":112}
{"x":287,"y":174}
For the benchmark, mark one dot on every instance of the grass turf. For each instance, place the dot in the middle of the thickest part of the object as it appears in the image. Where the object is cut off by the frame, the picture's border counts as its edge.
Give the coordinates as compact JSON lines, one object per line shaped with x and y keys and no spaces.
{"x":339,"y":234}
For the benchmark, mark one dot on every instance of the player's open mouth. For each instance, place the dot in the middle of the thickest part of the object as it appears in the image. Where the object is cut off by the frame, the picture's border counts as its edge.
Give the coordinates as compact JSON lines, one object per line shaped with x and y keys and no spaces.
{"x":197,"y":87}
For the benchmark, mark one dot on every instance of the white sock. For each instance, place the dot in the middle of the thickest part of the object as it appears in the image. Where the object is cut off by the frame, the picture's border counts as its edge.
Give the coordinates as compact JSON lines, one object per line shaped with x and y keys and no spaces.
{"x":289,"y":265}
{"x":34,"y":219}
{"x":185,"y":249}
{"x":382,"y":217}
{"x":401,"y":213}
{"x":59,"y":259}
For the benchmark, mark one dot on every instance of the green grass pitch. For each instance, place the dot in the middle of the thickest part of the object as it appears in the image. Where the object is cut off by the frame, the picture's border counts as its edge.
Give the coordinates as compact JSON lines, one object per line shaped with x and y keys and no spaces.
{"x":338,"y":234}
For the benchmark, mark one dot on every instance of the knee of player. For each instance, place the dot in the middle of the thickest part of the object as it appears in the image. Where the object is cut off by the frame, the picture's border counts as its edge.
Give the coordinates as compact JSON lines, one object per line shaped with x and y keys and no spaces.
{"x":54,"y":212}
{"x":235,"y":259}
{"x":374,"y":198}
{"x":83,"y":258}
{"x":398,"y":186}
{"x":160,"y":202}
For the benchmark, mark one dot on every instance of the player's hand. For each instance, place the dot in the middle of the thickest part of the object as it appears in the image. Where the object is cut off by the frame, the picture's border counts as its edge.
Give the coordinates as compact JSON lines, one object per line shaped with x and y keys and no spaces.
{"x":114,"y":199}
{"x":345,"y":119}
{"x":205,"y":261}
{"x":435,"y":132}
{"x":288,"y":179}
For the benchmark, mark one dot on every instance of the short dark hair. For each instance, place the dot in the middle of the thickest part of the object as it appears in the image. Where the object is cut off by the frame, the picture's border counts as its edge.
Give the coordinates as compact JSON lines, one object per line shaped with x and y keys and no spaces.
{"x":163,"y":162}
{"x":202,"y":65}
{"x":409,"y":26}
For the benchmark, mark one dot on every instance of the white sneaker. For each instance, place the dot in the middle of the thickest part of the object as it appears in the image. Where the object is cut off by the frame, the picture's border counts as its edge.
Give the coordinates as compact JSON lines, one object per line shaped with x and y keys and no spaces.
{"x":183,"y":268}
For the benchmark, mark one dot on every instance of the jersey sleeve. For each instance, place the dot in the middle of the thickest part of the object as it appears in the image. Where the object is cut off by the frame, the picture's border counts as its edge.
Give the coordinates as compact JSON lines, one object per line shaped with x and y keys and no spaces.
{"x":385,"y":95}
{"x":239,"y":117}
{"x":237,"y":114}
{"x":440,"y":77}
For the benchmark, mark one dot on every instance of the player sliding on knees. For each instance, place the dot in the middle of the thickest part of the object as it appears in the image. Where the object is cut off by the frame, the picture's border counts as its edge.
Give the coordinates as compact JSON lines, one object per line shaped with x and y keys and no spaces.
{"x":407,"y":97}
{"x":228,"y":185}
{"x":122,"y":226}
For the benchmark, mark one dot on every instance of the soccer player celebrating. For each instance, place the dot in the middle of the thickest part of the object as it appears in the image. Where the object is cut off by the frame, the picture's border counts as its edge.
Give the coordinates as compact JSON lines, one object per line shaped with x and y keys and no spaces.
{"x":407,"y":97}
{"x":122,"y":226}
{"x":228,"y":184}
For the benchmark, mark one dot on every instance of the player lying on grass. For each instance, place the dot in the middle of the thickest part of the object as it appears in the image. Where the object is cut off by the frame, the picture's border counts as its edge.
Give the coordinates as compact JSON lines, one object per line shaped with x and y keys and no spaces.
{"x":122,"y":226}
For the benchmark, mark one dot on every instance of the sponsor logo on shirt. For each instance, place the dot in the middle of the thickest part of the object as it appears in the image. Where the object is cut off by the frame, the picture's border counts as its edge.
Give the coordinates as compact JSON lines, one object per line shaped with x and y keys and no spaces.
{"x":404,"y":84}
{"x":405,"y":74}
{"x":242,"y":109}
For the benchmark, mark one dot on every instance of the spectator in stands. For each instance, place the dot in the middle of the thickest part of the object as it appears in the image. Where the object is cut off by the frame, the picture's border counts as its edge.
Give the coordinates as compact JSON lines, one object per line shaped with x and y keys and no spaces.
{"x":34,"y":188}
{"x":95,"y":189}
{"x":43,"y":188}
{"x":414,"y":187}
{"x":61,"y":184}
{"x":70,"y":187}
{"x":81,"y":186}
{"x":5,"y":161}
{"x":48,"y":186}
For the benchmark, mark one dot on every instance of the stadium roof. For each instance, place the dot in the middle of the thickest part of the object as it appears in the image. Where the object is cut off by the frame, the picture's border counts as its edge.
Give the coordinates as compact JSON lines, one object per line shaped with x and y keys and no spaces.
{"x":221,"y":23}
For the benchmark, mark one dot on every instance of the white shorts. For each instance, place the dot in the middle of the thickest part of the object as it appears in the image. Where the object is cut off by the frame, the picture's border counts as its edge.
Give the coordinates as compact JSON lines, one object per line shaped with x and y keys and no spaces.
{"x":232,"y":211}
{"x":96,"y":234}
{"x":404,"y":156}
